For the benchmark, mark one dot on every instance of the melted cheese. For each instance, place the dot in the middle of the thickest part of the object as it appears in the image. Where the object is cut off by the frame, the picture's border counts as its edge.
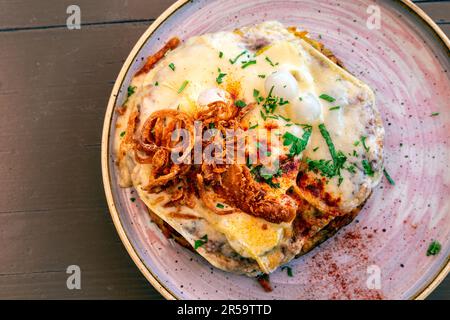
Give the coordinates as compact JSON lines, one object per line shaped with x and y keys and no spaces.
{"x":297,"y":73}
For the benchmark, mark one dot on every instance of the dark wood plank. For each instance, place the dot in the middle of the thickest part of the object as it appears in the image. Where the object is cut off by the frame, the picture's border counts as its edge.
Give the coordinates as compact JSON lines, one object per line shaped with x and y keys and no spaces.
{"x":53,"y":212}
{"x":439,"y":11}
{"x":26,"y":13}
{"x":54,"y":86}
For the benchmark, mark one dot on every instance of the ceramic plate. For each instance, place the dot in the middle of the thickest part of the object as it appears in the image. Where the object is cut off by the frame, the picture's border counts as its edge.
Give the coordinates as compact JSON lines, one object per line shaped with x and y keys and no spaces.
{"x":406,"y":62}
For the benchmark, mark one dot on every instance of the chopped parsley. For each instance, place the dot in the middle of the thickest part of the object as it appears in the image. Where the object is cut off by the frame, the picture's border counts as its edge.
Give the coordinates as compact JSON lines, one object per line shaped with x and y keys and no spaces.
{"x":368,"y":168}
{"x":388,"y":177}
{"x":122,"y":134}
{"x":172,"y":66}
{"x":256,"y":95}
{"x":335,"y":108}
{"x":133,"y":199}
{"x":262,"y":76}
{"x":325,"y":167}
{"x":298,"y":145}
{"x":356,"y":143}
{"x":220,"y":77}
{"x":183,"y":86}
{"x":329,"y":168}
{"x":288,"y":270}
{"x":327,"y":98}
{"x":263,"y":115}
{"x":435,"y":114}
{"x":272,"y":102}
{"x":254,"y":127}
{"x":131,"y":91}
{"x":338,"y":157}
{"x":351,"y":168}
{"x":220,"y":54}
{"x":233,"y":61}
{"x":434,"y":249}
{"x":202,"y":241}
{"x":220,"y":206}
{"x":156,"y":83}
{"x":266,"y":177}
{"x":271,"y":63}
{"x":249,"y":63}
{"x":240,"y":104}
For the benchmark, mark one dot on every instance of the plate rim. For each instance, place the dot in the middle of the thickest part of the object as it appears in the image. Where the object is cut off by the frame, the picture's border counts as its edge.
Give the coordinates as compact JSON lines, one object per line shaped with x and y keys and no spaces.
{"x":421,"y":294}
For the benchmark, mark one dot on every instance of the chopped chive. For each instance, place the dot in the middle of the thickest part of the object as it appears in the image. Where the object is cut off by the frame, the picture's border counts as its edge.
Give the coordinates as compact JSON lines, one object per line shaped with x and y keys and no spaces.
{"x":315,"y":149}
{"x":435,"y":114}
{"x":434,"y":249}
{"x":335,"y":108}
{"x":122,"y":134}
{"x":363,"y":140}
{"x":249,"y":63}
{"x":233,"y":61}
{"x":327,"y":98}
{"x":220,"y":54}
{"x":183,"y":86}
{"x":172,"y":66}
{"x":156,"y":83}
{"x":388,"y":177}
{"x":262,"y":76}
{"x":240,"y":104}
{"x":263,"y":115}
{"x":254,"y":127}
{"x":133,"y":199}
{"x":270,"y":62}
{"x":220,"y":206}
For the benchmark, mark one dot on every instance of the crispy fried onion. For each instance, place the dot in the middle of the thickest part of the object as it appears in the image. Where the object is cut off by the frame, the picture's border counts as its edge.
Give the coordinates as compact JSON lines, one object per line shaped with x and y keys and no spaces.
{"x":210,"y":198}
{"x":160,"y":138}
{"x":152,"y":60}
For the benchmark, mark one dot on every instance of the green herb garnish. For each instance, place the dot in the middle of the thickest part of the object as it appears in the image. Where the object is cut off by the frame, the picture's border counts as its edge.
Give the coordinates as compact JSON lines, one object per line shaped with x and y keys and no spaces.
{"x":388,"y":177}
{"x":368,"y":168}
{"x":249,"y":63}
{"x":363,"y":140}
{"x":335,"y":108}
{"x":298,"y":145}
{"x":233,"y":61}
{"x":220,"y":77}
{"x":183,"y":86}
{"x":271,"y":63}
{"x":435,"y":114}
{"x":202,"y":241}
{"x":122,"y":134}
{"x":434,"y":249}
{"x":262,"y":76}
{"x":289,"y":271}
{"x":133,"y":199}
{"x":172,"y":66}
{"x":254,"y":127}
{"x":220,"y":54}
{"x":156,"y":83}
{"x":220,"y":206}
{"x":240,"y":104}
{"x":327,"y":98}
{"x":131,"y":90}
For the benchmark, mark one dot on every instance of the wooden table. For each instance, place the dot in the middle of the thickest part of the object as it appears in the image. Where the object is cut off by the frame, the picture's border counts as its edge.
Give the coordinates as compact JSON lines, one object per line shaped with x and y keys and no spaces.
{"x":54,"y":88}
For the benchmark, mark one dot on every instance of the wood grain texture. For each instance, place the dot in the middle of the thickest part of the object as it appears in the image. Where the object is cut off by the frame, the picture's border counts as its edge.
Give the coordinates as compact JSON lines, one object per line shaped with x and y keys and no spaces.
{"x":54,"y":88}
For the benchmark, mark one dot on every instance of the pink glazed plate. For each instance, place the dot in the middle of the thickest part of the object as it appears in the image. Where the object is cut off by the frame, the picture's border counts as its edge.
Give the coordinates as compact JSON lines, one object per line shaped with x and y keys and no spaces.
{"x":382,"y":254}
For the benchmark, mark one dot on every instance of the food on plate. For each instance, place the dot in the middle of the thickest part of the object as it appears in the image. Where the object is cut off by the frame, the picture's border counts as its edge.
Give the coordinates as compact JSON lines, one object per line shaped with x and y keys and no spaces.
{"x":250,"y":146}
